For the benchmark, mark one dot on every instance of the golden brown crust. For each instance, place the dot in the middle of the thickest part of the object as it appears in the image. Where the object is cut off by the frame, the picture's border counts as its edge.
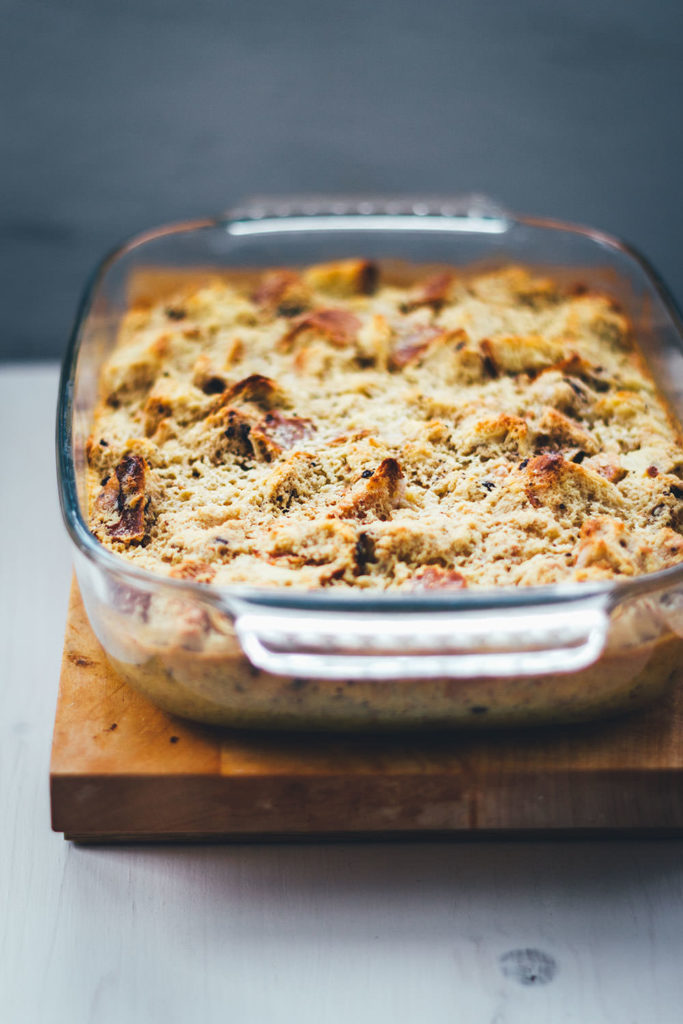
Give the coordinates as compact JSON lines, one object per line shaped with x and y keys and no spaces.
{"x":377,"y":493}
{"x":123,"y":501}
{"x":336,"y":325}
{"x":343,"y":278}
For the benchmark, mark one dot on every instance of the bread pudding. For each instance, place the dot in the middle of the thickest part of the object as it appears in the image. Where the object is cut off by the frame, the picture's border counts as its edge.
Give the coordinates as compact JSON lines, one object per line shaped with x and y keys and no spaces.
{"x":334,"y":427}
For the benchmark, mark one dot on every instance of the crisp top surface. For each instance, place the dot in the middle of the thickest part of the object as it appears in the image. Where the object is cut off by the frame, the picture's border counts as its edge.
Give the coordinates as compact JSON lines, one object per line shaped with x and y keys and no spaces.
{"x":330,"y":428}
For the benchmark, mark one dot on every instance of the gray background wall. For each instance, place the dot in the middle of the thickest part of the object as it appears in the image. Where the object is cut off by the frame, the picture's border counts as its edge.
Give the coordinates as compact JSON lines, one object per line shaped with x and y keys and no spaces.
{"x":120,"y":115}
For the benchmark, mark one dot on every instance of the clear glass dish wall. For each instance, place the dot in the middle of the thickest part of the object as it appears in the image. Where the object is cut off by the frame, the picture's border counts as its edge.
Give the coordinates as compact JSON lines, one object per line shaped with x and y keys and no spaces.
{"x":314,"y":659}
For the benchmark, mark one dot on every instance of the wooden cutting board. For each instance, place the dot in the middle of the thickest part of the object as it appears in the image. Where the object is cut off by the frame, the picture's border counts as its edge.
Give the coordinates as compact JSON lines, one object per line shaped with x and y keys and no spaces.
{"x":122,"y":770}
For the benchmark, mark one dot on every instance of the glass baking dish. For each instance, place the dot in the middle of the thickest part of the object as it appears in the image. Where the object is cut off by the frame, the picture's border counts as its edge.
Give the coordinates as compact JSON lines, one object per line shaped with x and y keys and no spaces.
{"x":241,"y":657}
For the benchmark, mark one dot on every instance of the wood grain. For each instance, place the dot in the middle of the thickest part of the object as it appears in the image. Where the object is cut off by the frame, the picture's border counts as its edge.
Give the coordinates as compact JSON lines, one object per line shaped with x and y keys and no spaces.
{"x":122,"y":768}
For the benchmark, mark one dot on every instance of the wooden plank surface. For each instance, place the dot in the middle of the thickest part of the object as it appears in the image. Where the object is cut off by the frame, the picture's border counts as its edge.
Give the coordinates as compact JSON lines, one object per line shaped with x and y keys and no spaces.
{"x":123,"y":769}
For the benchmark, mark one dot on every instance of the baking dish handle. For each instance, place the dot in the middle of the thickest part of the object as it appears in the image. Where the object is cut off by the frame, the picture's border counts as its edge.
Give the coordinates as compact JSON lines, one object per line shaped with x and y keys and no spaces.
{"x":527,"y":640}
{"x":467,"y":211}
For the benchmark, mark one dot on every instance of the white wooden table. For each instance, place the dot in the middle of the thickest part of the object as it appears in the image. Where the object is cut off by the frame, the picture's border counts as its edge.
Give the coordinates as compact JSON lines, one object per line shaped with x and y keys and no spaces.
{"x":497,"y":933}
